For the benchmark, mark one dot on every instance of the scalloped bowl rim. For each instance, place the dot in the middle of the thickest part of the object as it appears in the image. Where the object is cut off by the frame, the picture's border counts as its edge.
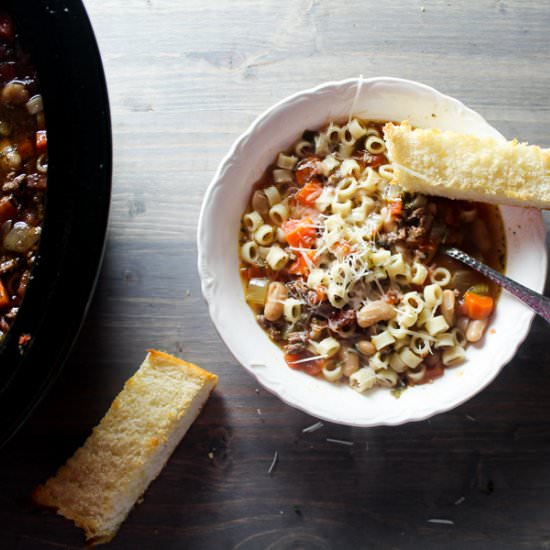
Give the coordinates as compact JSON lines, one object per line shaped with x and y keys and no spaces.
{"x":217,"y":258}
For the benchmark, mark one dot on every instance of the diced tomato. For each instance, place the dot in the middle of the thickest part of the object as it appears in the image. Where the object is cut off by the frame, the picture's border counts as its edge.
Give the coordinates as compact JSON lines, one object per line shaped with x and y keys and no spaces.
{"x":477,"y":306}
{"x":251,"y":271}
{"x":437,"y":371}
{"x":7,"y":33}
{"x":374,"y":160}
{"x":306,"y":169}
{"x":309,"y":367}
{"x":4,"y":297}
{"x":300,"y":233}
{"x":290,"y":358}
{"x":309,"y":193}
{"x":41,"y":141}
{"x":302,"y":266}
{"x":7,"y":210}
{"x":25,"y":148}
{"x":313,"y":368}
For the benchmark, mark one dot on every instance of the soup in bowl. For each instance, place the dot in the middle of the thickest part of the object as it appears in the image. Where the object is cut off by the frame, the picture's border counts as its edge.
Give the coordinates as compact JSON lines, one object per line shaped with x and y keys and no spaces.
{"x":312,"y":259}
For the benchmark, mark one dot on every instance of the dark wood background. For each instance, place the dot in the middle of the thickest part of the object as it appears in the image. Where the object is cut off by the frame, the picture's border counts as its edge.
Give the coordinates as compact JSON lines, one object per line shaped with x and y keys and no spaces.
{"x":185,"y":78}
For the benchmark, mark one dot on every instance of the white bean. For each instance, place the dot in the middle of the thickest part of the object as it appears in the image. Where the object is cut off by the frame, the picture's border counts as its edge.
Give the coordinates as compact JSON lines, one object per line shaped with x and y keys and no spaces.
{"x":374,"y":312}
{"x":274,"y":307}
{"x":365,"y":347}
{"x":350,"y":361}
{"x":476,"y":329}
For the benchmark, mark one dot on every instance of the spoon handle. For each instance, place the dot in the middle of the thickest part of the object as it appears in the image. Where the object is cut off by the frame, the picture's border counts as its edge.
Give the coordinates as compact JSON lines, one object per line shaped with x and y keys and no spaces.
{"x":534,"y":300}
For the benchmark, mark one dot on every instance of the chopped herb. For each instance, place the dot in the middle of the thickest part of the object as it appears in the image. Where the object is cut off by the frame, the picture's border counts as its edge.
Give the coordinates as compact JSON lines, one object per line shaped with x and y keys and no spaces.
{"x":297,"y":510}
{"x":396,"y":392}
{"x":481,"y":289}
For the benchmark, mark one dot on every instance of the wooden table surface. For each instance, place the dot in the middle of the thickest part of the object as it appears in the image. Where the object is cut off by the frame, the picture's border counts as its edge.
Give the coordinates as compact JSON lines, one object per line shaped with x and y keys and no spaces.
{"x":185,"y":79}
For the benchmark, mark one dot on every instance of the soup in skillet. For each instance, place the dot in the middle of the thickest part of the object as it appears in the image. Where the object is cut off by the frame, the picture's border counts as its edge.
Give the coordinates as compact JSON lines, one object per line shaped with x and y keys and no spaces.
{"x":344,"y":270}
{"x":23,"y":170}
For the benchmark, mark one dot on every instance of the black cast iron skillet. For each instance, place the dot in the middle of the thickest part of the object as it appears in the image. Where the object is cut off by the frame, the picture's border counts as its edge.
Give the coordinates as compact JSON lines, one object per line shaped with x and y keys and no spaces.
{"x":60,"y":40}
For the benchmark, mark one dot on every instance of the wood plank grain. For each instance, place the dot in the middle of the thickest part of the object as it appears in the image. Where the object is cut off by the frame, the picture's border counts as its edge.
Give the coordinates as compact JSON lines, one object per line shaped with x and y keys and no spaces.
{"x":185,"y":79}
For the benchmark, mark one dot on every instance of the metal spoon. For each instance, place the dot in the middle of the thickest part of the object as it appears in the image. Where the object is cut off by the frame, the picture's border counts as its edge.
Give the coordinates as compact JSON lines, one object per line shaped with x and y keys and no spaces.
{"x":539,"y":303}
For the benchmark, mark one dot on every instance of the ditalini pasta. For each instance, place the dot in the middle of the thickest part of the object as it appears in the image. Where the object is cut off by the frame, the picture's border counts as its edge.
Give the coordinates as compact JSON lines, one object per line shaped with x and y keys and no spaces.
{"x":344,"y":270}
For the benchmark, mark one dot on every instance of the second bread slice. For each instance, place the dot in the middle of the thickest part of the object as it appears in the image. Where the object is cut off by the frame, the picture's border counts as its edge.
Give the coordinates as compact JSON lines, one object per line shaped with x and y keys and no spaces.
{"x":460,"y":166}
{"x":98,"y":486}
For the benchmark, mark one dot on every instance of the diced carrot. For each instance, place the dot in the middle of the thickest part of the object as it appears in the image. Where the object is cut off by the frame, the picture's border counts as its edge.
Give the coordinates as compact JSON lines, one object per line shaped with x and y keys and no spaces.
{"x":4,"y":296}
{"x":7,"y":210}
{"x":300,"y":233}
{"x":306,"y":169}
{"x":477,"y":306}
{"x":25,"y":149}
{"x":396,"y":207}
{"x":302,"y":266}
{"x":309,"y":193}
{"x":41,"y":141}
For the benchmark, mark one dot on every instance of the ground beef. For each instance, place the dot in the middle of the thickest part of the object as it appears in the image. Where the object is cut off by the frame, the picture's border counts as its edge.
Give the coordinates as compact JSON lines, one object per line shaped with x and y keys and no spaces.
{"x":297,"y":342}
{"x":419,"y":224}
{"x":387,"y":239}
{"x":274,"y":331}
{"x":325,"y":310}
{"x":36,"y":181}
{"x":297,"y":289}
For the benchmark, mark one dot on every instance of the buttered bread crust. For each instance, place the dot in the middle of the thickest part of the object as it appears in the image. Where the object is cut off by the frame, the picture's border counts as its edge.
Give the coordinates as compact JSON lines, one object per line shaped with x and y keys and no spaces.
{"x":100,"y":483}
{"x":461,"y":166}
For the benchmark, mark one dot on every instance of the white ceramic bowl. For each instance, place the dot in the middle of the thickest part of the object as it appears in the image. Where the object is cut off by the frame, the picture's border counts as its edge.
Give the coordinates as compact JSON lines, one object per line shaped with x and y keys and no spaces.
{"x":226,"y":198}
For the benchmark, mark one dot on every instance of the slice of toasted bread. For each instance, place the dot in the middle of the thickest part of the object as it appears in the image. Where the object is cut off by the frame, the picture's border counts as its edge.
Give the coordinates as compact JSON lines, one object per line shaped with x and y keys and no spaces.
{"x":100,"y":483}
{"x":461,"y":166}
